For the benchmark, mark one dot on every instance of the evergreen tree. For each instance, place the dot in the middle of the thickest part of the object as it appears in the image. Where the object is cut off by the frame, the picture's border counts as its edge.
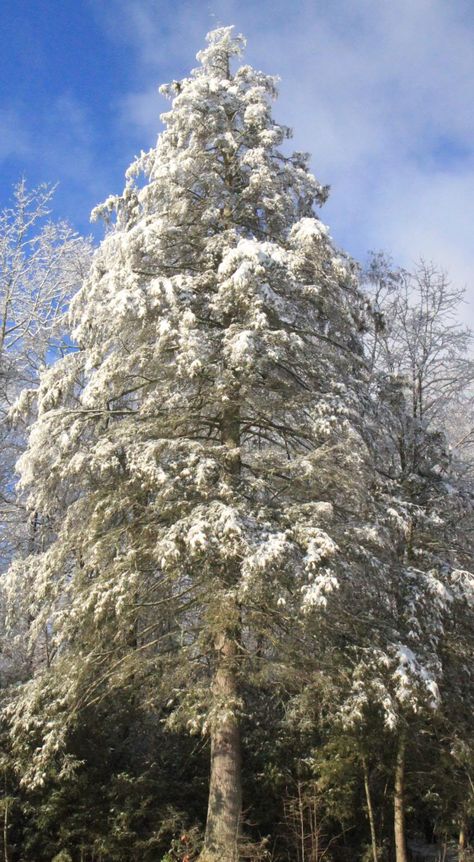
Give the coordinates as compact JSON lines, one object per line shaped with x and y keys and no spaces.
{"x":203,"y":463}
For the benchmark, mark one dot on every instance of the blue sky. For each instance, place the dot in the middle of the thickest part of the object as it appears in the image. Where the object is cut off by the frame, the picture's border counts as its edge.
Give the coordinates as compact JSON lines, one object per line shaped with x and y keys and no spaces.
{"x":381,"y":92}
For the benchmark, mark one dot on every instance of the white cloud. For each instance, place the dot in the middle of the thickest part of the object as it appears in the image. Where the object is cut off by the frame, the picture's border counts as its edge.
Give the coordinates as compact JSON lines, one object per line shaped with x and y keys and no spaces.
{"x":435,"y":217}
{"x":380,"y":92}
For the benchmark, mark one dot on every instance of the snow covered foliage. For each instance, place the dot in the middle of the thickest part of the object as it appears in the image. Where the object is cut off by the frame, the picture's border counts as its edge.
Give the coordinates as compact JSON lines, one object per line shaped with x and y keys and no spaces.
{"x":205,"y":442}
{"x":219,"y":461}
{"x":394,"y":650}
{"x":42,"y":263}
{"x":419,"y":367}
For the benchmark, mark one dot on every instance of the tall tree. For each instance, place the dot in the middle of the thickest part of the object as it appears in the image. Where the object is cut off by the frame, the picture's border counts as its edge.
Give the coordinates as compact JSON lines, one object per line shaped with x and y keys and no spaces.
{"x":202,"y":457}
{"x":423,"y":371}
{"x":391,"y":658}
{"x":42,"y":263}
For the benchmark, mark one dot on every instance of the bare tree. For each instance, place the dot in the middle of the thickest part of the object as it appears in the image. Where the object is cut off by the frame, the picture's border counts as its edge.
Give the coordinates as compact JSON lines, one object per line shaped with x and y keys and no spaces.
{"x":421,"y":363}
{"x":42,"y":263}
{"x":418,"y":336}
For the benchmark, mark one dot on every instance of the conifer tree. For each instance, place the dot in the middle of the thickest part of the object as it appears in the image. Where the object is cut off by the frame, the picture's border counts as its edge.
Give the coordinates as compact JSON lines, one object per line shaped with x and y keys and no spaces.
{"x":202,"y":458}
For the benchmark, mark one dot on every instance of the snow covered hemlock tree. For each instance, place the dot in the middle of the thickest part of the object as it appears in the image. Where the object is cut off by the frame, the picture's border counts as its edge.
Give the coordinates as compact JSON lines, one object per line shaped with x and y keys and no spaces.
{"x":201,"y":455}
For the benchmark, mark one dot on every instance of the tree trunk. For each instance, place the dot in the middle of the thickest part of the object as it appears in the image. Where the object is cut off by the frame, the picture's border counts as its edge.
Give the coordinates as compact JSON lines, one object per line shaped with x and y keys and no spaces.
{"x":399,"y":803}
{"x":462,"y":845}
{"x":224,"y":811}
{"x":370,"y":810}
{"x":6,"y":855}
{"x":225,"y":791}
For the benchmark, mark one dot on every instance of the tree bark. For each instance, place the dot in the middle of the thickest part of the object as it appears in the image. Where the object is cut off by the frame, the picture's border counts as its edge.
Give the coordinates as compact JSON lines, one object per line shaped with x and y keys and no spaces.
{"x":5,"y":833}
{"x":462,"y":845}
{"x":6,"y":855}
{"x":223,"y":824}
{"x":399,"y":802}
{"x":225,"y":791}
{"x":370,"y":810}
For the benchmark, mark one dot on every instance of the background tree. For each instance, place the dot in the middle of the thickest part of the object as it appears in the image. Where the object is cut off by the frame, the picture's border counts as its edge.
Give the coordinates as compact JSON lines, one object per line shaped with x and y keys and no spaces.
{"x":418,"y":337}
{"x":42,"y":264}
{"x":423,"y":371}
